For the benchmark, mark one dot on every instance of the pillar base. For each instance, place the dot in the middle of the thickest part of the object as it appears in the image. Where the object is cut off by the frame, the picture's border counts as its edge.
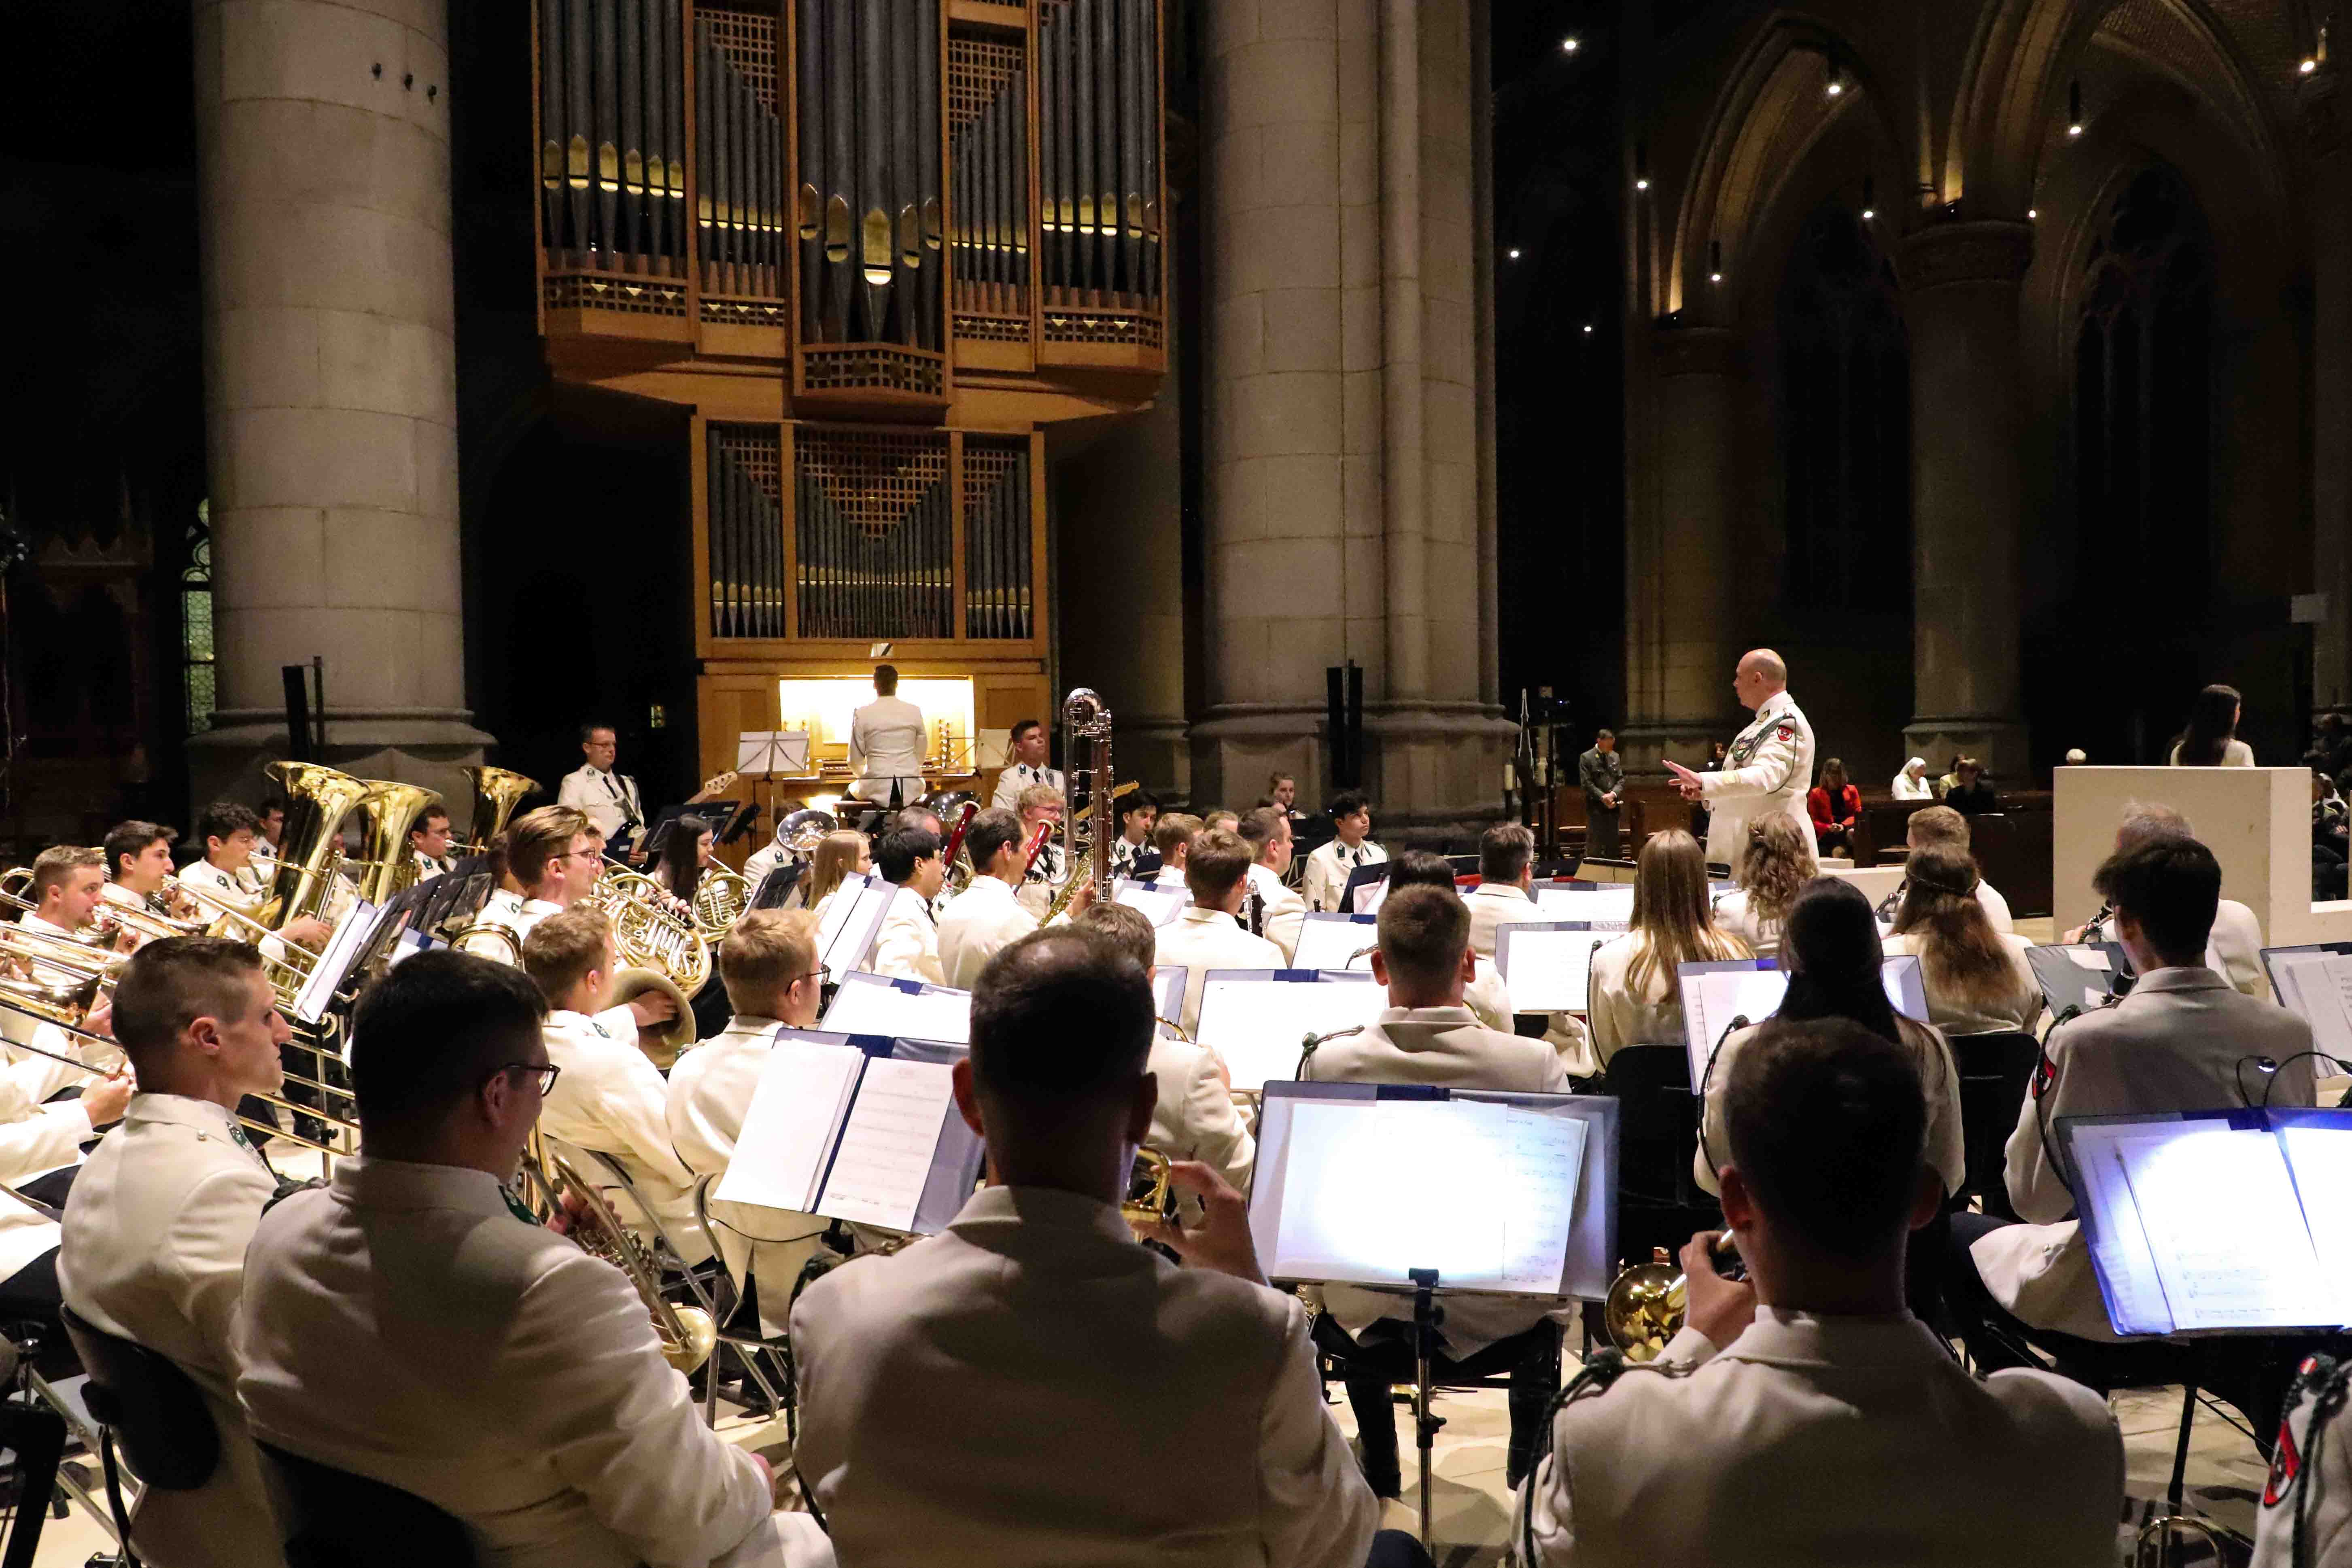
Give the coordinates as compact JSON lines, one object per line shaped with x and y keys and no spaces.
{"x":1645,"y":747}
{"x":420,"y":746}
{"x":1435,"y":770}
{"x":1999,"y":744}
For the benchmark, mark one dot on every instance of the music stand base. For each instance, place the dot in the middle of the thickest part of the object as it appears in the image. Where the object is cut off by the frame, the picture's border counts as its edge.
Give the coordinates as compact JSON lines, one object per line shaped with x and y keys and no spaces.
{"x":1425,"y":1317}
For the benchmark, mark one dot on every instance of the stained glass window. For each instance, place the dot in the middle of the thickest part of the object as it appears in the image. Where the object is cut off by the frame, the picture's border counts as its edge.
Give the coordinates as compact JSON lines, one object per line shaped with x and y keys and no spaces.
{"x":196,"y":622}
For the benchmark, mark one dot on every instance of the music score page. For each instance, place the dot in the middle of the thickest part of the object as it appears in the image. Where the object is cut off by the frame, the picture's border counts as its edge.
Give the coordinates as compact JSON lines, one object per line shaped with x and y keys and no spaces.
{"x":865,"y":1007}
{"x":887,"y":1144}
{"x":1548,"y":970}
{"x":1258,"y":1026}
{"x":787,"y":1128}
{"x":2224,"y":1229}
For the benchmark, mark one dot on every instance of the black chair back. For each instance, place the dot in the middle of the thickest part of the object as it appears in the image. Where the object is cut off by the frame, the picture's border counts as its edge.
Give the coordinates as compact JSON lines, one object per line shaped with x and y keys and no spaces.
{"x":1657,"y":1124}
{"x":1996,"y":1071}
{"x":156,"y":1411}
{"x":329,"y":1518}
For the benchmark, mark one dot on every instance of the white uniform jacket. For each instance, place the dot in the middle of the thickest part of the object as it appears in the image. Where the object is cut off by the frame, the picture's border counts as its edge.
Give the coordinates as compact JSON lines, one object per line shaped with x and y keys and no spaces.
{"x":907,"y":947}
{"x":241,"y":889}
{"x":1019,"y":776}
{"x":2233,"y":950}
{"x":1447,"y":1046}
{"x":1619,"y":1015}
{"x":2012,"y":1008}
{"x":1810,"y":1441}
{"x":405,"y":1324}
{"x":1733,"y":916}
{"x":2173,"y":1044}
{"x":1096,"y":1363}
{"x":610,"y":1098}
{"x":1330,"y":866}
{"x":886,"y":746}
{"x":153,"y":1251}
{"x":2316,"y":1487}
{"x":511,"y":913}
{"x":608,"y":800}
{"x":1939,"y":1079}
{"x":1282,"y":914}
{"x":1200,"y":940}
{"x":1496,"y":904}
{"x":1769,"y":768}
{"x":984,"y":919}
{"x":1194,"y":1118}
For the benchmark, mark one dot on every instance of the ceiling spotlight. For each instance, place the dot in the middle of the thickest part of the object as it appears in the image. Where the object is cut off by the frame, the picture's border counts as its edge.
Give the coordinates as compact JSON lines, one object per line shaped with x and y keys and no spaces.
{"x":2032,"y":213}
{"x":2074,"y":108}
{"x":1640,"y":165}
{"x":2308,"y":65}
{"x":1588,"y":327}
{"x":1837,"y":79}
{"x":1869,"y":215}
{"x":1515,"y":253}
{"x":1640,"y":183}
{"x":1568,"y":46}
{"x":1869,"y":199}
{"x":1715,"y":261}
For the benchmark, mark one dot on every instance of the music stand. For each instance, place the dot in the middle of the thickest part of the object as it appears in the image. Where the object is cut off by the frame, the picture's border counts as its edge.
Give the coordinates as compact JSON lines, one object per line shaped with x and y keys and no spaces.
{"x":764,"y":753}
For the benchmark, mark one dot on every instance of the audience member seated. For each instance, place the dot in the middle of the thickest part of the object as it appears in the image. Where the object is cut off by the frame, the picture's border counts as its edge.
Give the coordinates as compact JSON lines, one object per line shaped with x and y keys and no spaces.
{"x":2177,"y":1041}
{"x":2234,"y":951}
{"x":1776,"y":862}
{"x":2211,"y":740}
{"x":1031,"y":1385}
{"x":1426,"y":1035}
{"x":1172,"y":836}
{"x":906,"y":946}
{"x":768,"y":963}
{"x":411,"y":1323}
{"x":1940,"y":827}
{"x":1976,"y":979}
{"x":1330,"y":866}
{"x":1486,"y":995}
{"x":1835,"y":806}
{"x":1281,"y":913}
{"x":152,"y":1245}
{"x":1207,"y":932}
{"x":1802,"y":1417}
{"x":1195,"y":1117}
{"x":1635,"y":999}
{"x":2329,"y":846}
{"x":610,"y":1098}
{"x":1971,"y":794}
{"x":1912,"y":783}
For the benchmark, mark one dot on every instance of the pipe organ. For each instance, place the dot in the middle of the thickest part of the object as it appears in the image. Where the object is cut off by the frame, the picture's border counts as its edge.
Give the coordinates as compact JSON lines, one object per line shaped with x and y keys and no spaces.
{"x":878,"y":246}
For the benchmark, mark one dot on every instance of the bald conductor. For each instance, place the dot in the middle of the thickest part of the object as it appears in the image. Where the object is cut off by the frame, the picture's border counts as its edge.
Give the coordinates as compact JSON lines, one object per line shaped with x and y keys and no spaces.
{"x":1768,"y":767}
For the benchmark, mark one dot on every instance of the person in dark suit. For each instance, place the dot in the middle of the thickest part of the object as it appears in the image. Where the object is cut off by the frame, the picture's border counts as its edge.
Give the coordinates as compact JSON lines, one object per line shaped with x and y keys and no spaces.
{"x":1602,"y":773}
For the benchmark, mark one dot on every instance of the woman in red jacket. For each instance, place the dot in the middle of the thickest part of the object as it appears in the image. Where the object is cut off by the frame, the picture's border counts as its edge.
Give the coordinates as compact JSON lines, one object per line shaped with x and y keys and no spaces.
{"x":1835,"y":805}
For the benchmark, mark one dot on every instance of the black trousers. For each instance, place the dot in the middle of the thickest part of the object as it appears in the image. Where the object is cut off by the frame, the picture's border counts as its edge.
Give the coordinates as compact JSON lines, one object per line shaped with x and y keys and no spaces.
{"x":1984,"y":1324}
{"x":1382,"y":1357}
{"x":1396,"y":1549}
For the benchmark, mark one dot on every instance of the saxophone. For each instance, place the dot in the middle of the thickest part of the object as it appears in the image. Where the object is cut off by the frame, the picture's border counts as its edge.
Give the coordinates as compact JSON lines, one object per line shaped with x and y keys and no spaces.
{"x":1088,"y":723}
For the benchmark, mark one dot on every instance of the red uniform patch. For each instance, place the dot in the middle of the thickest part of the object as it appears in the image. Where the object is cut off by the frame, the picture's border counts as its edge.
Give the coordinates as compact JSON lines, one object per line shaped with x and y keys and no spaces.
{"x":2045,"y":1073}
{"x":1788,"y":732}
{"x":2284,"y":1466}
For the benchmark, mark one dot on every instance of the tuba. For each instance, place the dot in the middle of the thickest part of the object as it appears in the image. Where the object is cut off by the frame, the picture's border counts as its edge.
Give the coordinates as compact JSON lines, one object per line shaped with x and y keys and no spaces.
{"x":389,"y":810}
{"x":1089,"y":723}
{"x":497,"y":792}
{"x":318,"y":798}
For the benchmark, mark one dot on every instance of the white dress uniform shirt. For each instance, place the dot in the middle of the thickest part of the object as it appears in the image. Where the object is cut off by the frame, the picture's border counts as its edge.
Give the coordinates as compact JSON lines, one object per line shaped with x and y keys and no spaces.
{"x":1447,"y":1046}
{"x":1200,"y":940}
{"x":427,"y":867}
{"x":984,"y":919}
{"x":1168,"y":877}
{"x":1940,"y":1078}
{"x":710,"y":1089}
{"x":608,"y":800}
{"x":1124,"y":855}
{"x":885,"y":747}
{"x":1195,"y":1117}
{"x":1618,"y":1015}
{"x":610,"y":1098}
{"x":1087,"y":1364}
{"x":1018,"y":777}
{"x":513,"y":913}
{"x":1329,"y":867}
{"x":906,"y":946}
{"x":405,"y":1324}
{"x":153,"y":1251}
{"x":1282,"y":914}
{"x":1815,"y":1439}
{"x":1044,"y":879}
{"x":1734,"y":916}
{"x":2010,"y":1009}
{"x":1768,"y":768}
{"x":234,"y":890}
{"x":2316,"y":1487}
{"x":1496,"y":904}
{"x":2174,"y":1043}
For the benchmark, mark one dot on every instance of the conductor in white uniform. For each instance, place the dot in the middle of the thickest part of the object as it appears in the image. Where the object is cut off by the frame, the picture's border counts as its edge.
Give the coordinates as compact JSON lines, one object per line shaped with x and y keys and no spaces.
{"x":1769,"y":767}
{"x":1802,"y":1417}
{"x":886,"y":744}
{"x":412,"y":1323}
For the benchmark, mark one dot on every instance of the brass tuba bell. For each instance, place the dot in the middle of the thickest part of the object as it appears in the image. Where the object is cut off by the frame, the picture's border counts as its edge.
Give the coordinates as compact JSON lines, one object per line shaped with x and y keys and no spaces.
{"x":497,"y":792}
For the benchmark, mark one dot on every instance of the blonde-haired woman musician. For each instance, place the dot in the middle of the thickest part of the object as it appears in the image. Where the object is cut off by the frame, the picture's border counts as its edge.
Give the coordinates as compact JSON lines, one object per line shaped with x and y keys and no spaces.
{"x":842,"y":854}
{"x":1635,"y":999}
{"x":1776,"y":862}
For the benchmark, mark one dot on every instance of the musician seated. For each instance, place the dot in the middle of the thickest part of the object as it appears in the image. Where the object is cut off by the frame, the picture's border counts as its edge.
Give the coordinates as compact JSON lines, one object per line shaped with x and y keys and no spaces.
{"x":428,"y":843}
{"x":55,"y":1096}
{"x":1506,"y":892}
{"x":1977,"y":981}
{"x":2183,"y":1040}
{"x":610,"y":1098}
{"x":1486,"y":995}
{"x":1121,"y":1409}
{"x":1941,"y":827}
{"x":1041,"y":806}
{"x":906,"y":945}
{"x":1026,"y":743}
{"x":551,"y":859}
{"x":1426,"y":1035}
{"x":839,"y":855}
{"x":2234,"y":951}
{"x":138,"y":865}
{"x":1231,"y":821}
{"x":1194,"y":1117}
{"x":1775,"y":862}
{"x":1635,"y":997}
{"x":153,"y":1246}
{"x":268,"y":833}
{"x":1281,"y":913}
{"x":227,"y":874}
{"x":411,"y":1323}
{"x":1207,"y":932}
{"x":768,"y":963}
{"x":1138,"y":812}
{"x":69,"y":884}
{"x":987,"y":917}
{"x":1172,"y":836}
{"x":2306,"y":1516}
{"x":1329,"y":867}
{"x":1802,"y":1415}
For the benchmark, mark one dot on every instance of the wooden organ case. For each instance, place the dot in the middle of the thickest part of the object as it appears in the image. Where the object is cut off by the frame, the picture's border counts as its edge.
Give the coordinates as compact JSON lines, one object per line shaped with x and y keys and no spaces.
{"x":878,"y":246}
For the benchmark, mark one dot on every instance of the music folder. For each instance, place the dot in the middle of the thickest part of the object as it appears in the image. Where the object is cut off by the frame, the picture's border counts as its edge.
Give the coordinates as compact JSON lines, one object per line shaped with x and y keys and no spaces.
{"x":2080,"y":974}
{"x":352,"y":936}
{"x":1547,"y":964}
{"x":1606,"y":903}
{"x":1716,"y":993}
{"x":899,"y":1009}
{"x":856,"y":1127}
{"x":1159,"y":905}
{"x":2313,"y":982}
{"x":845,"y":936}
{"x":1503,"y":1193}
{"x":2207,"y":1222}
{"x":1367,"y":885}
{"x":1257,"y":1019}
{"x":1335,"y":941}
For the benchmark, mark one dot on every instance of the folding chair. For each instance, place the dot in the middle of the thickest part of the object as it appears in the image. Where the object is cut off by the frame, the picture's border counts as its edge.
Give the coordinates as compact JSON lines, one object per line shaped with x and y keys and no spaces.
{"x":748,"y":1346}
{"x":1995,"y":1072}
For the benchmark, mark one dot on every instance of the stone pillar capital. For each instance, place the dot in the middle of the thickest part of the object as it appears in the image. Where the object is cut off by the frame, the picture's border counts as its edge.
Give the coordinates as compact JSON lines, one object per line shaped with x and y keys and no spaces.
{"x":1985,"y":250}
{"x":1698,"y":350}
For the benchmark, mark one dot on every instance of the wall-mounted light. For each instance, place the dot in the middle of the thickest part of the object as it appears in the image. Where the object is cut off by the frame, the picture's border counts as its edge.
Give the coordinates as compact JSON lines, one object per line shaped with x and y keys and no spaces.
{"x":2074,"y":108}
{"x":1869,"y":203}
{"x":1568,"y":46}
{"x":1715,"y":261}
{"x":1640,"y":165}
{"x":1836,"y":87}
{"x":1513,"y":253}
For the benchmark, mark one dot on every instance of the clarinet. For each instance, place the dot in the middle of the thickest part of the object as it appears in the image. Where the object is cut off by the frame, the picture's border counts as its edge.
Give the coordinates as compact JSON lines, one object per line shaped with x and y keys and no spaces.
{"x":1253,"y":911}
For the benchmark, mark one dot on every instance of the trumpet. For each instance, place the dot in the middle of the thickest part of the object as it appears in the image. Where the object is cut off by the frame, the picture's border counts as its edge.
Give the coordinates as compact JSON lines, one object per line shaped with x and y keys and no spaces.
{"x":1150,"y":1199}
{"x":1649,"y":1302}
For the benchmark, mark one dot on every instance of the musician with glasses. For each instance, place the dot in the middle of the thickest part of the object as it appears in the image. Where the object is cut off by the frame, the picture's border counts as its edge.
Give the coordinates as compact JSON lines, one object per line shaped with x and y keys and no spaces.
{"x":1044,"y":807}
{"x":553,"y":857}
{"x":768,"y":963}
{"x":608,"y":799}
{"x":153,"y":1239}
{"x":428,"y":843}
{"x":1031,"y":1385}
{"x":1802,"y":1415}
{"x":413,"y":1325}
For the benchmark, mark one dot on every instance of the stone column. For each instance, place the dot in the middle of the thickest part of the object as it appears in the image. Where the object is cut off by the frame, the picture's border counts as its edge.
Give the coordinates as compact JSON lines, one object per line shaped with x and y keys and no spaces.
{"x":2330,"y":213}
{"x":322,"y":134}
{"x":1960,"y":300}
{"x":1681,"y":643}
{"x":1341,"y":398}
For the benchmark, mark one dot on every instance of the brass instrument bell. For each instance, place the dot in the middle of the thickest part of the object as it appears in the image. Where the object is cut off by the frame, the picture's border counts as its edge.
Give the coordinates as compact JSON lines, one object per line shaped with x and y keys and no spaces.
{"x":1646,"y":1307}
{"x":497,"y":792}
{"x":1150,"y":1198}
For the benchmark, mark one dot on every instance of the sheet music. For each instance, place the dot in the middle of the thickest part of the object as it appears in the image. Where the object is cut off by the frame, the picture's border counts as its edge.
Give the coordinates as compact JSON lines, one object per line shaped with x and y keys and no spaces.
{"x":1168,"y":982}
{"x":2225,"y":1227}
{"x":1614,"y":902}
{"x":1159,"y":905}
{"x":887,"y":1143}
{"x":870,"y":1005}
{"x":2120,"y":1253}
{"x":854,"y":940}
{"x":1545,"y":1158}
{"x":1257,"y":1026}
{"x":2320,"y":1158}
{"x":2091,"y":958}
{"x":836,"y":913}
{"x":1712,"y":998}
{"x":1328,"y":940}
{"x":787,"y":1128}
{"x":343,"y":945}
{"x":2317,"y":988}
{"x":1545,"y":970}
